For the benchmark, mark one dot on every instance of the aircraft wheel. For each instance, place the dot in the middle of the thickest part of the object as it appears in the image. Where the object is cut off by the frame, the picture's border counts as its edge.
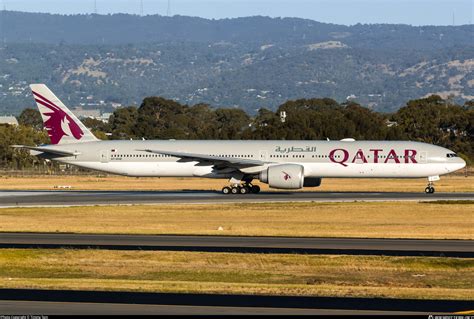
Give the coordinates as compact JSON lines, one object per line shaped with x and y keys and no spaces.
{"x":429,"y":190}
{"x":255,"y":189}
{"x":226,"y":190}
{"x":235,"y":190}
{"x":244,"y":190}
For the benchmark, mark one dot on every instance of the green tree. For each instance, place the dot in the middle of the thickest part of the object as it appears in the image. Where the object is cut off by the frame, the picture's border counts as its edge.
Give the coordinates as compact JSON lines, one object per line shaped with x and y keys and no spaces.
{"x":202,"y":122}
{"x":265,"y":126}
{"x":19,"y":135}
{"x":31,"y":117}
{"x":160,"y":118}
{"x":231,"y":123}
{"x":436,"y":121}
{"x":98,"y":128}
{"x":122,"y":122}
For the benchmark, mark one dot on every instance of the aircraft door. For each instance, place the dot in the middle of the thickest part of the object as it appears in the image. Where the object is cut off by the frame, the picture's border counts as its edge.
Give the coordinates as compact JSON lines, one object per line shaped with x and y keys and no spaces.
{"x":104,"y":156}
{"x":263,"y":155}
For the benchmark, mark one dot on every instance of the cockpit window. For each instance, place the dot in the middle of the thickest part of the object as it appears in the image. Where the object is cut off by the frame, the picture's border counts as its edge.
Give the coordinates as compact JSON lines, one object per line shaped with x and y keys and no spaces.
{"x":450,"y":155}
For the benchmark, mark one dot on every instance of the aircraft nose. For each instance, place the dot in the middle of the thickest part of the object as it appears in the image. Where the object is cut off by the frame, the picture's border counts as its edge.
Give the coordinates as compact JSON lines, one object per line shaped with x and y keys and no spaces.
{"x":458,"y":164}
{"x":455,"y":162}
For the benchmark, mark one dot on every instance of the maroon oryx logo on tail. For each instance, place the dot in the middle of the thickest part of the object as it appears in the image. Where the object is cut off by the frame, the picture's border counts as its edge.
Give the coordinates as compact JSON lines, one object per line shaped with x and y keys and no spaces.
{"x":59,"y":123}
{"x":286,"y":176}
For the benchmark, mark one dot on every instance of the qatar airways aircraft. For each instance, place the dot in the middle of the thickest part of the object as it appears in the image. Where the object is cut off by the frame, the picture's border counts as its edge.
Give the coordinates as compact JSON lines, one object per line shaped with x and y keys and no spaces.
{"x":281,"y":164}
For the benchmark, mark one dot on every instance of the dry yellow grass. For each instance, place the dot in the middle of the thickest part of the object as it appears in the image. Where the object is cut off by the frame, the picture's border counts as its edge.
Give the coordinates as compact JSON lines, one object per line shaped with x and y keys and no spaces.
{"x":329,"y":290}
{"x":449,"y":183}
{"x":379,"y":220}
{"x":362,"y":276}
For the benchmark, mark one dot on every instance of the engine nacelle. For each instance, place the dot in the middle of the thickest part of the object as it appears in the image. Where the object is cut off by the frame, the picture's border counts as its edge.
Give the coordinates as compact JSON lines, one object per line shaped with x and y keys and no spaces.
{"x":285,"y":176}
{"x":312,"y":181}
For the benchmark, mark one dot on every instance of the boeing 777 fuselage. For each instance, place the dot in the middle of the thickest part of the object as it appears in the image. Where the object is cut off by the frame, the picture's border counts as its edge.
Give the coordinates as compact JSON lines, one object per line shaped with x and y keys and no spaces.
{"x":281,"y":164}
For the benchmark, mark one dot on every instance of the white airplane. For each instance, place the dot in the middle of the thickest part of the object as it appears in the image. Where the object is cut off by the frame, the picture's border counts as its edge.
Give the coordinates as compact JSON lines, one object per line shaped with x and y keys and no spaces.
{"x":281,"y":164}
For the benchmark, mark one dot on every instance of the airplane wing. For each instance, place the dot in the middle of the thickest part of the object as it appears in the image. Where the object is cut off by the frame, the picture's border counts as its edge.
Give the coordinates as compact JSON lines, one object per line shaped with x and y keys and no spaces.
{"x":47,"y":150}
{"x":218,"y":161}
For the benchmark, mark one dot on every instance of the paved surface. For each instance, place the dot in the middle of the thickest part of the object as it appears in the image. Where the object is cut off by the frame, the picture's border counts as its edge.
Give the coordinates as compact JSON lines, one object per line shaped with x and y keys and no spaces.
{"x":208,"y":243}
{"x":76,"y":198}
{"x":77,"y":308}
{"x":121,"y":302}
{"x":356,"y":246}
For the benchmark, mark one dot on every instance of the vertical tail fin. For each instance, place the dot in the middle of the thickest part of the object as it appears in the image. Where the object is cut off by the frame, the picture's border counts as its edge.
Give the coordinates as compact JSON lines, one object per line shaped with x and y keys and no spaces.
{"x":62,"y":125}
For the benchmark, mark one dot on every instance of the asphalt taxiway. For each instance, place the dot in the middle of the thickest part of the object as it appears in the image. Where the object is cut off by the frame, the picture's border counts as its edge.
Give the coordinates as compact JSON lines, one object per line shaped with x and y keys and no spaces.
{"x":244,"y":244}
{"x":80,"y":198}
{"x":23,"y":301}
{"x":83,"y":308}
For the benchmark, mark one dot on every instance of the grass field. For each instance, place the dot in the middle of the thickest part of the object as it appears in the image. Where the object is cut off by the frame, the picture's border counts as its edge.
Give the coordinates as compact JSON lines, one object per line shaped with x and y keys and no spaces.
{"x":362,"y":276}
{"x":449,"y":183}
{"x":378,"y":219}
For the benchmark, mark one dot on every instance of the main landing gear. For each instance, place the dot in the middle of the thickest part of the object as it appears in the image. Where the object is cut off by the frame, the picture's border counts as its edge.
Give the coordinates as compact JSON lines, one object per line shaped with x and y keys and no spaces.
{"x":246,"y":188}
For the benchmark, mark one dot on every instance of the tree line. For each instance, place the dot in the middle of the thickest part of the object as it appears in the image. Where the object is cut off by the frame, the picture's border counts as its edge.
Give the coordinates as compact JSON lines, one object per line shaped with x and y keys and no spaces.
{"x":432,"y":120}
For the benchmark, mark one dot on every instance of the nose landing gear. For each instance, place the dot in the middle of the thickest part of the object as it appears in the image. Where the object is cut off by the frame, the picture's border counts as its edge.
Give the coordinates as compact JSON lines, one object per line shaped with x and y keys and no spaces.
{"x":430,"y":188}
{"x":246,"y":188}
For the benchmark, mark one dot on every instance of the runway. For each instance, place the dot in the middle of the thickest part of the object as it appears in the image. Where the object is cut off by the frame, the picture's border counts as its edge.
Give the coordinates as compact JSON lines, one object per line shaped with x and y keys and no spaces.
{"x":80,"y":198}
{"x":85,"y":308}
{"x":22,"y":301}
{"x":304,"y":245}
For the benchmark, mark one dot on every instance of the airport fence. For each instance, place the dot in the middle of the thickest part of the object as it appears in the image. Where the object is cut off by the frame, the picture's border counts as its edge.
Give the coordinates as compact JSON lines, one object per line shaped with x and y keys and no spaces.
{"x":61,"y":170}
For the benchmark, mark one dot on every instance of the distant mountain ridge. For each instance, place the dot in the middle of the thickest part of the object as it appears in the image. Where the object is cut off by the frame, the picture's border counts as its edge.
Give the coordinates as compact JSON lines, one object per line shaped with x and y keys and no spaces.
{"x":254,"y":62}
{"x":22,"y":27}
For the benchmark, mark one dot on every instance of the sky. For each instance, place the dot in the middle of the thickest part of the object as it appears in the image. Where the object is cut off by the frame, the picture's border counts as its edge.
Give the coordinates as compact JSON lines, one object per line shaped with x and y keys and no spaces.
{"x":348,"y":12}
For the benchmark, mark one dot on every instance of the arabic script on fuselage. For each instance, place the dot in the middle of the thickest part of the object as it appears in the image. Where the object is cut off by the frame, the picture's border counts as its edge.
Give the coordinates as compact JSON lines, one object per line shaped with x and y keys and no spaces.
{"x":307,"y":149}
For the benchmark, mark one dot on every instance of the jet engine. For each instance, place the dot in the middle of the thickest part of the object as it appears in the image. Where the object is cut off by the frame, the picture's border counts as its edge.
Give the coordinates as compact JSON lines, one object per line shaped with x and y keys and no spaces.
{"x":285,"y":176}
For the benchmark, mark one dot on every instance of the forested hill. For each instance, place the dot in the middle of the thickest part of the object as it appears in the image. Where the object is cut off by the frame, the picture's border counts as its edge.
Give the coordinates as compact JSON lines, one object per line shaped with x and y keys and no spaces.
{"x":21,"y":27}
{"x":104,"y":60}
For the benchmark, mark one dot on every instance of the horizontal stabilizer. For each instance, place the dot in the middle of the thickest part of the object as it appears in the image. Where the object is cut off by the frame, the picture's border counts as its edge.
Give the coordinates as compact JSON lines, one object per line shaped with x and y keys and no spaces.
{"x":47,"y":150}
